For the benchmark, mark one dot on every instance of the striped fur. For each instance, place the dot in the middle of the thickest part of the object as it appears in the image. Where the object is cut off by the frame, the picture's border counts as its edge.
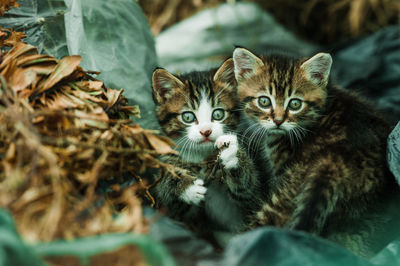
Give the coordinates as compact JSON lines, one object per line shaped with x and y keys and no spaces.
{"x":328,"y":159}
{"x":230,"y":196}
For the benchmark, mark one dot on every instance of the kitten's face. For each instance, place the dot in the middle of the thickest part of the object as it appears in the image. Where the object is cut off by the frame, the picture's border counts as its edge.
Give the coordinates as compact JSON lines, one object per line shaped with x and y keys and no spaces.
{"x":282,"y":95}
{"x":195,"y":109}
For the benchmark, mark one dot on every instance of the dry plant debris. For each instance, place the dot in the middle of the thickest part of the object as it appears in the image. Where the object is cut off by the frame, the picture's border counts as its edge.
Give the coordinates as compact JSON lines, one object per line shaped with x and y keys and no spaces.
{"x":5,"y":5}
{"x":61,"y":133}
{"x":10,"y":37}
{"x":330,"y":21}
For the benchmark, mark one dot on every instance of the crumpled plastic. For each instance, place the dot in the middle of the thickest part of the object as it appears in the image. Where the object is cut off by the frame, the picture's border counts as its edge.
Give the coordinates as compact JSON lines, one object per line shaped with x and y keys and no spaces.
{"x":207,"y":38}
{"x":86,"y":247}
{"x":371,"y":66}
{"x":275,"y":247}
{"x":43,"y":23}
{"x":272,"y":246}
{"x":393,"y":151}
{"x":113,"y":37}
{"x":389,"y":256}
{"x":186,"y":248}
{"x":13,"y":251}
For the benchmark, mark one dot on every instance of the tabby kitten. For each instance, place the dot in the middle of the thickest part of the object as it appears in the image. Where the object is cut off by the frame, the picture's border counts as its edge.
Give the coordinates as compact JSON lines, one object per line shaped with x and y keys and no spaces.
{"x":215,"y":182}
{"x":326,"y":146}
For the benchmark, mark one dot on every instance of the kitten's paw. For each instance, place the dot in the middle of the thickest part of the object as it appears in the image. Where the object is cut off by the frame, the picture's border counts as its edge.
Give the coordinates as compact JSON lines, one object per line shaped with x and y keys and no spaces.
{"x":195,"y":193}
{"x":224,"y":141}
{"x":228,"y":145}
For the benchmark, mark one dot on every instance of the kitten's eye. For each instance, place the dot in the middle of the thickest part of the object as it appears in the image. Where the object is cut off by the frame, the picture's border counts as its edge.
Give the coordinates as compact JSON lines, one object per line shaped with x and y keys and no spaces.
{"x":264,"y":102}
{"x":188,"y":117}
{"x":295,"y":104}
{"x":218,"y":114}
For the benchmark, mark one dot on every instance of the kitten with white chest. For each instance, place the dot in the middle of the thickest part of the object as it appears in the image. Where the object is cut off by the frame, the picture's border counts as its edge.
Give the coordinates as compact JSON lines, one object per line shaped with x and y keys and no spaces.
{"x":215,"y":185}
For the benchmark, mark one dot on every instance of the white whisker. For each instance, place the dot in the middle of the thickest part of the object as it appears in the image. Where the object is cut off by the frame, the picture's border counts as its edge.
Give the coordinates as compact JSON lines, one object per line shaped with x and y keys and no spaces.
{"x":290,"y":132}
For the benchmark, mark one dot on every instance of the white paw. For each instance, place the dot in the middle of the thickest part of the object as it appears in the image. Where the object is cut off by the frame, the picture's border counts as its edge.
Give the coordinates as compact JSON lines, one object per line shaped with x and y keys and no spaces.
{"x":194,"y":194}
{"x":229,"y":147}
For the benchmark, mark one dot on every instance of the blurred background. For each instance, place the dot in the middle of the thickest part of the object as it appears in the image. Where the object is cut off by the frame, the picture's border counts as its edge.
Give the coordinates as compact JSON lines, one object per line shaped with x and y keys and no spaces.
{"x":320,"y":21}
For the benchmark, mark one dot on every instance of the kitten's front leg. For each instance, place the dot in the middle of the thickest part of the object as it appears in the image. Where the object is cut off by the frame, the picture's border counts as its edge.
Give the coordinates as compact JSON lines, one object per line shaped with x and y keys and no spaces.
{"x":195,"y":193}
{"x":318,"y":199}
{"x":182,"y":186}
{"x":240,"y":175}
{"x":305,"y":204}
{"x":274,"y":212}
{"x":228,"y":145}
{"x":182,"y":196}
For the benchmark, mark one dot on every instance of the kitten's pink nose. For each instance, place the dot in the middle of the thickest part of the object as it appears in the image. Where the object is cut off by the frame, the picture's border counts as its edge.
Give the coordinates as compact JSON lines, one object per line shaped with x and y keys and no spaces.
{"x":206,"y":133}
{"x":278,"y":122}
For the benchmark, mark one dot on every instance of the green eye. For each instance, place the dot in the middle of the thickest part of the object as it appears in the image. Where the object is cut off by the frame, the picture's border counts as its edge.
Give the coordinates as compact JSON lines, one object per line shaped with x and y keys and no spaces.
{"x":188,"y":117}
{"x":218,"y":114}
{"x":295,"y":104}
{"x":264,"y":102}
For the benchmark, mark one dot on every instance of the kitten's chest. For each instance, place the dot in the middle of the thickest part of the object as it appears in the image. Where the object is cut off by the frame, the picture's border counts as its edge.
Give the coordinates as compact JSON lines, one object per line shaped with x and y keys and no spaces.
{"x":206,"y":170}
{"x":211,"y":170}
{"x":206,"y":173}
{"x":279,"y":154}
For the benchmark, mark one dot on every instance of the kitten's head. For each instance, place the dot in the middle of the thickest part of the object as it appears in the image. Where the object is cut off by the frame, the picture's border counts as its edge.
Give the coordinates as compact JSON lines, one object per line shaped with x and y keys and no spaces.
{"x":196,"y":108}
{"x":283,"y":95}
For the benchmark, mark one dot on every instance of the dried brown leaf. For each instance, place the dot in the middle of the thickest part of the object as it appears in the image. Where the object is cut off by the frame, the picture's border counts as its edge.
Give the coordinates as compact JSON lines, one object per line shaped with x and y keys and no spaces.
{"x":90,"y":85}
{"x":64,"y":68}
{"x":36,"y":59}
{"x":18,"y":50}
{"x":43,"y":69}
{"x":14,"y":38}
{"x":22,"y":78}
{"x":159,"y":145}
{"x":10,"y":154}
{"x":9,"y":37}
{"x":5,"y":5}
{"x":112,"y":96}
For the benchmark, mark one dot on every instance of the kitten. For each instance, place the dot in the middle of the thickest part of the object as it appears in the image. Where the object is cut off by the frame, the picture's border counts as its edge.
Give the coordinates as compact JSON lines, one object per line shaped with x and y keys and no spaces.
{"x":211,"y":191}
{"x":326,"y":146}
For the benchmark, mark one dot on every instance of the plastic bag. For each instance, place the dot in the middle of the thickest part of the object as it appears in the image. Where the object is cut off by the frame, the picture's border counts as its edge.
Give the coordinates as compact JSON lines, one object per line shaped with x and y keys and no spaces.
{"x":113,"y":37}
{"x":272,"y":246}
{"x":371,"y":66}
{"x":84,"y":249}
{"x":275,"y":247}
{"x":13,"y":251}
{"x":394,"y":152}
{"x":207,"y":38}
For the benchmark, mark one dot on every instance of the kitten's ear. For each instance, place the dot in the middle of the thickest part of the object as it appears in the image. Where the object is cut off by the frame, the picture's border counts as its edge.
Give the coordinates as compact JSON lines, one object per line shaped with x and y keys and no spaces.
{"x":317,"y":68}
{"x":225,"y":73}
{"x":246,"y":63}
{"x":163,"y":84}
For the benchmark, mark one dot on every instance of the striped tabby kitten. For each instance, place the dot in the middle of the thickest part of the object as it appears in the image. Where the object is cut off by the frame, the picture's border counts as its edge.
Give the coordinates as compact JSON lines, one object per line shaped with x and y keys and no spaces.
{"x":215,"y":183}
{"x":326,"y":146}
